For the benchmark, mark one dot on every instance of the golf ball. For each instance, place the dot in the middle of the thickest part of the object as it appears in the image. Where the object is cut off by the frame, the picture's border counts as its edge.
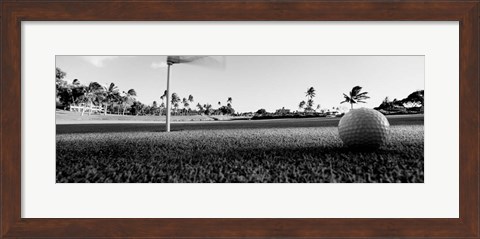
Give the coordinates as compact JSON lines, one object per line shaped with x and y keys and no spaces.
{"x":363,"y":128}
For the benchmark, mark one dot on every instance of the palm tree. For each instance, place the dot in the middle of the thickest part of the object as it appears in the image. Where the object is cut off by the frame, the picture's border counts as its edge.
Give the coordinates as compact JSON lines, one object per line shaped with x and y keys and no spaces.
{"x":175,"y":105}
{"x":199,"y":107}
{"x":229,"y":102}
{"x":123,"y":101}
{"x":154,"y":107}
{"x":185,"y":105}
{"x":310,"y":94}
{"x":127,"y":98}
{"x":163,"y":96}
{"x":77,"y":91}
{"x":118,"y":102}
{"x":91,"y":93}
{"x":161,"y":107}
{"x":59,"y":82}
{"x":175,"y":100}
{"x":132,"y":92}
{"x":163,"y":103}
{"x":111,"y":94}
{"x":219,"y":106}
{"x":208,"y":108}
{"x":355,"y":96}
{"x":190,"y":100}
{"x":310,"y":104}
{"x":59,"y":75}
{"x":76,"y":82}
{"x":301,"y":105}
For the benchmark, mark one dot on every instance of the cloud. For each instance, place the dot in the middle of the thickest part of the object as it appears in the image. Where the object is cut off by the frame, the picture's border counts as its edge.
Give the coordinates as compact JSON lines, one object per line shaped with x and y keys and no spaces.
{"x":98,"y":61}
{"x":156,"y":65}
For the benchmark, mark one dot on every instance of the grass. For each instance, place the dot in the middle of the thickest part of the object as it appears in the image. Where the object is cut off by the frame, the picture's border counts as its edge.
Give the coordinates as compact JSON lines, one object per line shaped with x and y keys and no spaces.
{"x":275,"y":155}
{"x":67,"y":116}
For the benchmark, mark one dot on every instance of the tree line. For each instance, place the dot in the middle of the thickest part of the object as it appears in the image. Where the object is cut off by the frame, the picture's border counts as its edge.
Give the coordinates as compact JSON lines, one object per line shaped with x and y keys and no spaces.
{"x":413,"y":101}
{"x":112,"y":100}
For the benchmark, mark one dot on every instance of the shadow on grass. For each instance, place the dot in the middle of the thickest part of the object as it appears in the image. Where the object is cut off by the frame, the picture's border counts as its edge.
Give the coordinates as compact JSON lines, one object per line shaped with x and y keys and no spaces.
{"x":309,"y":164}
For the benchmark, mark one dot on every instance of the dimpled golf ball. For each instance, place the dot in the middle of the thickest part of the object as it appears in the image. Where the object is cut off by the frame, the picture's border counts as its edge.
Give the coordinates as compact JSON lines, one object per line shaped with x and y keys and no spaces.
{"x":363,"y":128}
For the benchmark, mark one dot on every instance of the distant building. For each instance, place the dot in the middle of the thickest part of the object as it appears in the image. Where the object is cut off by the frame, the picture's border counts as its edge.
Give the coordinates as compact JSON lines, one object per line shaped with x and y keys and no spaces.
{"x":282,"y":111}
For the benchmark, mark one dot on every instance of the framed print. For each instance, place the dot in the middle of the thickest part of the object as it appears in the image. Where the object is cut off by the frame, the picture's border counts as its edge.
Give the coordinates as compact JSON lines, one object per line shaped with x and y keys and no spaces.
{"x":239,"y":119}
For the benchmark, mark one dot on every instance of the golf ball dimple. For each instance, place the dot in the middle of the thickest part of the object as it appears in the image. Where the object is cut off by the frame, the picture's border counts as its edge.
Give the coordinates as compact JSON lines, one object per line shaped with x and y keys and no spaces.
{"x":363,"y":128}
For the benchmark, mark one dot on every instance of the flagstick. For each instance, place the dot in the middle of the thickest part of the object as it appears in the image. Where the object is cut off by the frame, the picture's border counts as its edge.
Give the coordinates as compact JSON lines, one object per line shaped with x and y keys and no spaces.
{"x":168,"y":99}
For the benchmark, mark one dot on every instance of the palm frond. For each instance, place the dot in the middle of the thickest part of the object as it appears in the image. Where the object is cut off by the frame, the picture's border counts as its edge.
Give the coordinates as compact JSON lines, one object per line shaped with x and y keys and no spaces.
{"x":356,"y":90}
{"x":112,"y":87}
{"x":363,"y":94}
{"x":95,"y":86}
{"x":362,"y":97}
{"x":132,"y":92}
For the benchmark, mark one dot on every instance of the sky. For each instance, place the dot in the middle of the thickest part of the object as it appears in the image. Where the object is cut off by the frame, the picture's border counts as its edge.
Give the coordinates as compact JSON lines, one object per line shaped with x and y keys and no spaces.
{"x":254,"y":82}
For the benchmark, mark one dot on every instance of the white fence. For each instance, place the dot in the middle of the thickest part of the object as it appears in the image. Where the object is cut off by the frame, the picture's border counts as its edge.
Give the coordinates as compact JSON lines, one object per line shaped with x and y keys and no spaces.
{"x":88,"y":108}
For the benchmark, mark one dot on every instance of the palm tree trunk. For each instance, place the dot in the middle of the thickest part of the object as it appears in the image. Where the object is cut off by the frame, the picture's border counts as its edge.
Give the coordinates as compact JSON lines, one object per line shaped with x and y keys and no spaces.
{"x":106,"y":107}
{"x":90,"y":108}
{"x":83,"y":109}
{"x":351,"y":104}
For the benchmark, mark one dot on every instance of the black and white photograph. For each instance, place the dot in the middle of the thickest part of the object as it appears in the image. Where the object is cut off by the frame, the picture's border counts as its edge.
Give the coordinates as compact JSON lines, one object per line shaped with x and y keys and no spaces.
{"x":239,"y":119}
